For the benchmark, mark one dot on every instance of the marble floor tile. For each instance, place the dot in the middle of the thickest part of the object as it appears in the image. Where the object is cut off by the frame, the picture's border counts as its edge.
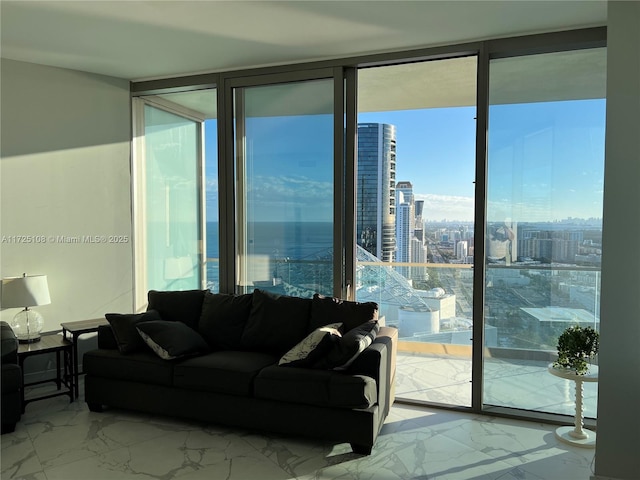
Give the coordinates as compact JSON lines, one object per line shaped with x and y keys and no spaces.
{"x":58,"y":440}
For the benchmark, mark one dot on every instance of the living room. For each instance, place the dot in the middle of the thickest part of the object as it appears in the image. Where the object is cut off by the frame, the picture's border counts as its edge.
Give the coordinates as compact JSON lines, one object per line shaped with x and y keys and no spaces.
{"x":66,"y":144}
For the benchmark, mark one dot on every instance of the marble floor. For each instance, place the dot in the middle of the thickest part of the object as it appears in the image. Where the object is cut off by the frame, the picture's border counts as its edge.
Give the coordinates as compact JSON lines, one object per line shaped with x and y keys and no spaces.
{"x":60,"y":440}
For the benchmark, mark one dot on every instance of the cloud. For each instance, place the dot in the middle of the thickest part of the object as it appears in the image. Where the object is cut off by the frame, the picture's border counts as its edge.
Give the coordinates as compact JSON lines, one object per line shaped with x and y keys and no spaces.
{"x":449,"y":207}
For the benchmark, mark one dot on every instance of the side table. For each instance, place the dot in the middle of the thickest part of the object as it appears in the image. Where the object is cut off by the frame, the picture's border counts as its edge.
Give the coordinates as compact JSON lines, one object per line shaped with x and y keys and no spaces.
{"x":49,"y":343}
{"x":76,"y":329}
{"x":576,"y":435}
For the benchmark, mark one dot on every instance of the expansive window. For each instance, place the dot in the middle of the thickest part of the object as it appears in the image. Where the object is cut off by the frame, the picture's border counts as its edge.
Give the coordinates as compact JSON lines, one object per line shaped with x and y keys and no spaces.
{"x":414,"y":218}
{"x":177,"y":183}
{"x":544,"y":221}
{"x":460,"y":189}
{"x":285,"y":187}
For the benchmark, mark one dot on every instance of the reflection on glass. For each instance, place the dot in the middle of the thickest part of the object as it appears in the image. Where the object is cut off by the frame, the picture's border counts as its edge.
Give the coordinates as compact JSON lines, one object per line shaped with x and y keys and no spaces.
{"x":284,"y":149}
{"x":172,"y":201}
{"x":544,"y":221}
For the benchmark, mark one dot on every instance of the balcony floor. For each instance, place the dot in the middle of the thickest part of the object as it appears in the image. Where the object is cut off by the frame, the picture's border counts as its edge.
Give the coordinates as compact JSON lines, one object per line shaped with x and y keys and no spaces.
{"x":522,"y":384}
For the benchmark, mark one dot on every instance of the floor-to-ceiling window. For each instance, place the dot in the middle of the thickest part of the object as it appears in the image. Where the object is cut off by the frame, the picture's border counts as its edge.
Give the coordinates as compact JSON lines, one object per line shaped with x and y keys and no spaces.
{"x":284,"y":179}
{"x":415,"y":218}
{"x":177,"y":184}
{"x":544,"y":221}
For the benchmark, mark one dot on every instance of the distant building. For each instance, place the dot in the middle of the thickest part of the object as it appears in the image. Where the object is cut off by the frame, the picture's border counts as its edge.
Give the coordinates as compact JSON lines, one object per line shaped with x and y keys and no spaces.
{"x":462,"y":250}
{"x":405,"y":222}
{"x":376,"y":201}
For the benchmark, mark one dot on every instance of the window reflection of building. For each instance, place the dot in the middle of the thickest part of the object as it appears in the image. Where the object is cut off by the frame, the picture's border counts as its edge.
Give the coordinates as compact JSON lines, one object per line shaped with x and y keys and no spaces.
{"x":501,"y":239}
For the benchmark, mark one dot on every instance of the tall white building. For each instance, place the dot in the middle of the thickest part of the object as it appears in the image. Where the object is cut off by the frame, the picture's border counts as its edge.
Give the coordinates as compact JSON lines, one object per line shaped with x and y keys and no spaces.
{"x":405,"y":224}
{"x":462,"y":250}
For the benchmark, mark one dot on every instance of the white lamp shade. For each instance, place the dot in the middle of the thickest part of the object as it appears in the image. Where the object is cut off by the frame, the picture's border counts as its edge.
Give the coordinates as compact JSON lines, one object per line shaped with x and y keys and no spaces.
{"x":25,"y":291}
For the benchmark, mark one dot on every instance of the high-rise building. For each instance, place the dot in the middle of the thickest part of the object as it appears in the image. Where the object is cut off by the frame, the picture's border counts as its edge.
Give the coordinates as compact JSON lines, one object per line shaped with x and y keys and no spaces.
{"x":404,"y":232}
{"x":405,"y":224}
{"x":418,"y":206}
{"x":462,"y":250}
{"x":376,"y":202}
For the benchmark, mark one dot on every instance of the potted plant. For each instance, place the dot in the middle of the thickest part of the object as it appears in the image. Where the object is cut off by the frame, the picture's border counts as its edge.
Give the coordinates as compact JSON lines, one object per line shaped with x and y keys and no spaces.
{"x":576,"y":346}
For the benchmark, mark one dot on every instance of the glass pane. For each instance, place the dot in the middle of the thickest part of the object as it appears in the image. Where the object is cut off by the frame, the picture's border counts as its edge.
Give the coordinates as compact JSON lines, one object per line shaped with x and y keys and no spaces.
{"x":284,"y":147}
{"x":212,"y":270}
{"x":203,"y":105}
{"x":544,"y":222}
{"x":415,"y":213}
{"x":172,"y":201}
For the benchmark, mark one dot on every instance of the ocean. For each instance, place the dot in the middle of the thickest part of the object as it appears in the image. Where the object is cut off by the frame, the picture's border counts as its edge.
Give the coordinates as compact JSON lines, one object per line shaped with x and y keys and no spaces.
{"x":281,"y":242}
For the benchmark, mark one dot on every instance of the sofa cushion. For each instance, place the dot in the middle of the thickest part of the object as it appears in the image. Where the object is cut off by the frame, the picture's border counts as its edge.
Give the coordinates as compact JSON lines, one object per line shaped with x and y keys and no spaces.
{"x":144,"y":366}
{"x":223,"y":319}
{"x":344,"y":350}
{"x":170,"y":340}
{"x":324,"y":388}
{"x":276,"y":322}
{"x":312,"y":348}
{"x":231,"y":372}
{"x":124,"y":330}
{"x":179,"y":306}
{"x":326,"y":310}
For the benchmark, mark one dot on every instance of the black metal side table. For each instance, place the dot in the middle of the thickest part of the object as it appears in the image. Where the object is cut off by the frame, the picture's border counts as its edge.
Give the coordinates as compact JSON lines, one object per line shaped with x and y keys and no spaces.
{"x":49,"y":343}
{"x":76,"y":329}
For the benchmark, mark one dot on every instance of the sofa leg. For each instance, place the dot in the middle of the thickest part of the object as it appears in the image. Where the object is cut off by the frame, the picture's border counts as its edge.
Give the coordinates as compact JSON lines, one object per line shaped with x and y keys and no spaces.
{"x":361,"y":449}
{"x":95,"y":407}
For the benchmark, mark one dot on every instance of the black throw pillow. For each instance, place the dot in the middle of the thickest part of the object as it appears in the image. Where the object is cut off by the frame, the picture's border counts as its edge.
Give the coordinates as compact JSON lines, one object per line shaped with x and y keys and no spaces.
{"x":345,"y":349}
{"x":351,"y":314}
{"x":179,"y":306}
{"x":276,"y":322}
{"x":313,"y":348}
{"x":124,"y":330}
{"x":171,"y":340}
{"x":223,"y":319}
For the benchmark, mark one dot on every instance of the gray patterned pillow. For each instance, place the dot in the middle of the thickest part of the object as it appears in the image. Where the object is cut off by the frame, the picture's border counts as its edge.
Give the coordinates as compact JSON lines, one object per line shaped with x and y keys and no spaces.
{"x":308,"y":350}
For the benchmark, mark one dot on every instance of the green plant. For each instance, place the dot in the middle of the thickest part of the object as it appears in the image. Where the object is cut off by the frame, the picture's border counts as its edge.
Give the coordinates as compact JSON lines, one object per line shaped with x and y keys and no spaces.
{"x":577,"y":345}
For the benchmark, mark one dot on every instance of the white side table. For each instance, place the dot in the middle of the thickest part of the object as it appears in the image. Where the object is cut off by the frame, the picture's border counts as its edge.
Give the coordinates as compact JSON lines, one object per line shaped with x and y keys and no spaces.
{"x":576,"y":435}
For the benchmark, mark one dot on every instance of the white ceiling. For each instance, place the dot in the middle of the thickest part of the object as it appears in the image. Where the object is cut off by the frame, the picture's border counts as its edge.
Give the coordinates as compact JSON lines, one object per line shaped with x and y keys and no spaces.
{"x":143,"y":40}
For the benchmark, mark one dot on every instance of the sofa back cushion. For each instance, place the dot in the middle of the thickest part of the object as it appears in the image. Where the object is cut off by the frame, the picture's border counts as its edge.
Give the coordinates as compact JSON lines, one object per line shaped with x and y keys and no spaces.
{"x":223,"y":319}
{"x":325,"y":310}
{"x":276,"y":322}
{"x":179,"y":306}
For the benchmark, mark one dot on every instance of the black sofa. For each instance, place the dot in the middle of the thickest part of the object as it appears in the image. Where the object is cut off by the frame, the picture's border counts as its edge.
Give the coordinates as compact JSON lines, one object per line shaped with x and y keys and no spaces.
{"x":317,"y":367}
{"x":11,"y":380}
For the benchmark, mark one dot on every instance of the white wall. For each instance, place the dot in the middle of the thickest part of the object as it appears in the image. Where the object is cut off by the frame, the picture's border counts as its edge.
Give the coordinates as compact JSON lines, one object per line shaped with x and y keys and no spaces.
{"x":65,"y":171}
{"x":619,"y":360}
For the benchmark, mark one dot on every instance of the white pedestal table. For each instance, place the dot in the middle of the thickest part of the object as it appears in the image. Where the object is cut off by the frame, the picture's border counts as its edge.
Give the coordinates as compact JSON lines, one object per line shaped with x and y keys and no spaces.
{"x":576,"y":435}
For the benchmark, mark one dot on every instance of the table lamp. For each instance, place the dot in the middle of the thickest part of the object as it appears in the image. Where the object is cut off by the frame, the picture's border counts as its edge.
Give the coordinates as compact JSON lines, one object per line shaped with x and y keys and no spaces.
{"x":25,"y":292}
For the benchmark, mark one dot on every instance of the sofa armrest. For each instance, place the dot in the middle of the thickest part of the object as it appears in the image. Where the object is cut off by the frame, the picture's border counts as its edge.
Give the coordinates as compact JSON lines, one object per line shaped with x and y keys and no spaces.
{"x":106,"y":338}
{"x":9,"y":344}
{"x":378,"y":361}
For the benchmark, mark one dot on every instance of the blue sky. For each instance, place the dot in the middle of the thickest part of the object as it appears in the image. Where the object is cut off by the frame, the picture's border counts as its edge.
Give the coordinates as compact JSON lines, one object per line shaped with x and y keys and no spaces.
{"x":546,"y":162}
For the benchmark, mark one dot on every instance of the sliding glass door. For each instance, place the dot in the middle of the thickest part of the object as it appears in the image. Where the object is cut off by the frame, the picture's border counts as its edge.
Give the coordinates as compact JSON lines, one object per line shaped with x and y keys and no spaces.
{"x":285,"y":181}
{"x":415,"y":218}
{"x":169,"y":200}
{"x":544,"y":222}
